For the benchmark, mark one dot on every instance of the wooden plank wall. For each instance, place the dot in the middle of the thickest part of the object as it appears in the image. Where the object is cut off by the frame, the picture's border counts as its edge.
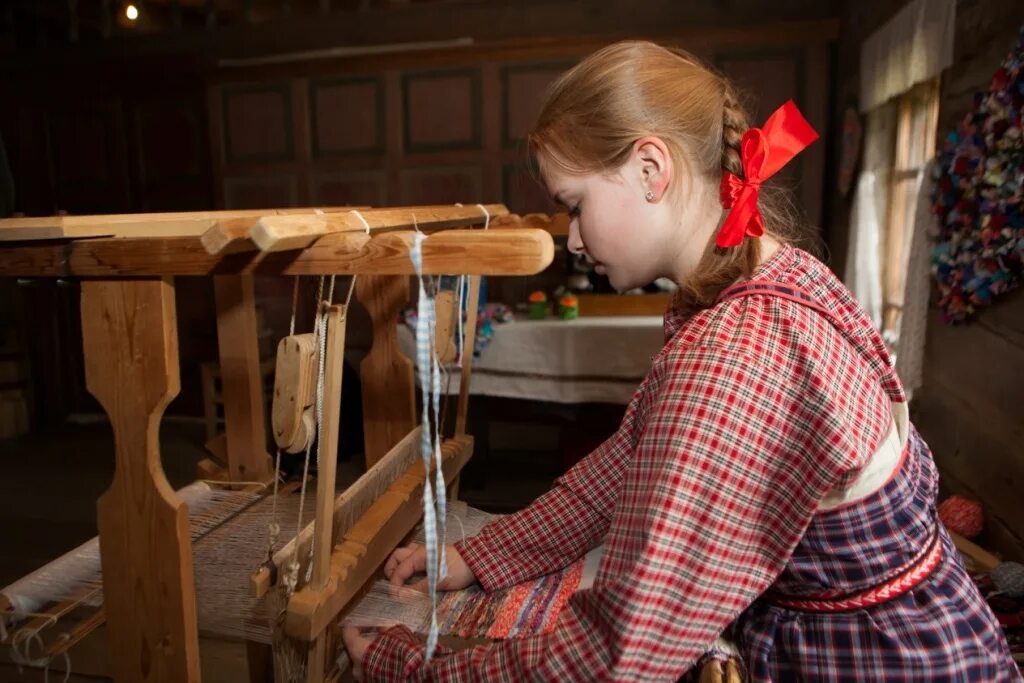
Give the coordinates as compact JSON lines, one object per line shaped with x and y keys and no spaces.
{"x":970,"y":407}
{"x":446,"y":127}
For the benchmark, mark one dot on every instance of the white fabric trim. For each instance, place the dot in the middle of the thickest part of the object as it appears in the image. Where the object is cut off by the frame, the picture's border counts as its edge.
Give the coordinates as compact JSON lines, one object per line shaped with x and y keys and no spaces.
{"x":913,"y":46}
{"x":879,"y":467}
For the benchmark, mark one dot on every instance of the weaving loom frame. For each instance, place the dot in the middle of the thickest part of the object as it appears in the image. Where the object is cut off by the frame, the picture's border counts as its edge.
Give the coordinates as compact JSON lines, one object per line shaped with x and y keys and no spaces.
{"x":131,"y":358}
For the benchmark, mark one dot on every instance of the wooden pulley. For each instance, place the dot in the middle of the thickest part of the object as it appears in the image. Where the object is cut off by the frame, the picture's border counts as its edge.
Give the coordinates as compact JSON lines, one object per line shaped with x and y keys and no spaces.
{"x":295,"y":392}
{"x":444,"y":329}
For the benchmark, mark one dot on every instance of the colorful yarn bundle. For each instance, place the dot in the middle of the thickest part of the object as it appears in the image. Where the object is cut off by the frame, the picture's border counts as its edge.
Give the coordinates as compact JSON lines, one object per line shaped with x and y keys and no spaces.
{"x":1008,"y":578}
{"x":963,"y":516}
{"x":979,"y":197}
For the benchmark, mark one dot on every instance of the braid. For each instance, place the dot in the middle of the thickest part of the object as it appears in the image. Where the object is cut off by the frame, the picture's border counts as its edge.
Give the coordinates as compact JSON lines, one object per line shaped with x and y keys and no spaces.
{"x":734,"y":124}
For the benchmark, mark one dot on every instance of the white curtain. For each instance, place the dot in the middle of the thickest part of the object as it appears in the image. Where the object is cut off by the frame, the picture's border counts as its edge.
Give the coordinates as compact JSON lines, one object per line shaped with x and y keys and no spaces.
{"x":912,"y":47}
{"x":868,"y":218}
{"x":914,"y":321}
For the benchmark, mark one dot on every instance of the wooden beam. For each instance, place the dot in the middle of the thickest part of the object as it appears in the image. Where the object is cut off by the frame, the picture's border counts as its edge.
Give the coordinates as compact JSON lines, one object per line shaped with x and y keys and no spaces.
{"x":362,"y":550}
{"x":299,"y":230}
{"x":557,"y":224}
{"x":131,"y":365}
{"x":241,"y":380}
{"x":327,"y":448}
{"x":388,"y":385}
{"x":327,"y":452}
{"x":169,"y":224}
{"x":471,"y":252}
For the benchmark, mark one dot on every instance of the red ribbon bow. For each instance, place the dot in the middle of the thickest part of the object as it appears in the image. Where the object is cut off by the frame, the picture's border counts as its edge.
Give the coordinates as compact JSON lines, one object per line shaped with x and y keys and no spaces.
{"x":763,"y":151}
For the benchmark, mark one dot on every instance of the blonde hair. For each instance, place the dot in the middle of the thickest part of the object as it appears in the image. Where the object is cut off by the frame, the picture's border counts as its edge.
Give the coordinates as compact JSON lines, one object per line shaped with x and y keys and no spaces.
{"x":596,"y":111}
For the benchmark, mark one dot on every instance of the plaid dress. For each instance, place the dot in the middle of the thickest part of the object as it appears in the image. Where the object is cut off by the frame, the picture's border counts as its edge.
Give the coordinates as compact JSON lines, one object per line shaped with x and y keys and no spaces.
{"x":706,"y":500}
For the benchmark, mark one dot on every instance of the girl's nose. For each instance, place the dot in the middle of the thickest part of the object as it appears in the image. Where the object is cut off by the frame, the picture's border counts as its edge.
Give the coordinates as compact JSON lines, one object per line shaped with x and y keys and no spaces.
{"x":575,"y":241}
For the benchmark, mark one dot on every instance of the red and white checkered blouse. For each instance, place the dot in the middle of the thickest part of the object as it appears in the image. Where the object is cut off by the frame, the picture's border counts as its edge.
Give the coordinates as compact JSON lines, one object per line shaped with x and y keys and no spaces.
{"x":754,"y":409}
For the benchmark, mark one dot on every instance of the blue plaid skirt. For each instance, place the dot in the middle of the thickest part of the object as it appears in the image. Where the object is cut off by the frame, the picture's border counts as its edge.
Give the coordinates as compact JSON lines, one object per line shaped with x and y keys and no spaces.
{"x":940,"y":630}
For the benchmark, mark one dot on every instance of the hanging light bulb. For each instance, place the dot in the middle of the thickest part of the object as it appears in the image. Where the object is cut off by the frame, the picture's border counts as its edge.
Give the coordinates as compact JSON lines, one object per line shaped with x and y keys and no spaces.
{"x":132,"y":12}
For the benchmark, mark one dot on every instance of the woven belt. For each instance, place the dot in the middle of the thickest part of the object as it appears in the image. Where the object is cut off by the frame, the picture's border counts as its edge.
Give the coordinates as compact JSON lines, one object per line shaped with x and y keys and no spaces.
{"x":891,"y":589}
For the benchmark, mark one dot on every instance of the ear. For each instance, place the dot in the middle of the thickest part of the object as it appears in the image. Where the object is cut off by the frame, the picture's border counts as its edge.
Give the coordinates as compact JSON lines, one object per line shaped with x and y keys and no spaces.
{"x":652,"y":157}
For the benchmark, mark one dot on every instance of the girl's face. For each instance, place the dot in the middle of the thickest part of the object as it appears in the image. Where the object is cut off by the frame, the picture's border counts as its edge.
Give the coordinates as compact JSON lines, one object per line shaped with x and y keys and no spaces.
{"x":612,"y":223}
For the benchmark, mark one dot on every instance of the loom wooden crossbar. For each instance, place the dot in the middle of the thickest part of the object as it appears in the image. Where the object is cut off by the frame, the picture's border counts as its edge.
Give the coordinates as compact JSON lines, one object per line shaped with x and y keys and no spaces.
{"x":127,"y":264}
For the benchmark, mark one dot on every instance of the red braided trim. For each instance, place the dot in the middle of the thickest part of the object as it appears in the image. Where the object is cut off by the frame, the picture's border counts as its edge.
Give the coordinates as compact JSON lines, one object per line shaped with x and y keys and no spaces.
{"x":873,"y":596}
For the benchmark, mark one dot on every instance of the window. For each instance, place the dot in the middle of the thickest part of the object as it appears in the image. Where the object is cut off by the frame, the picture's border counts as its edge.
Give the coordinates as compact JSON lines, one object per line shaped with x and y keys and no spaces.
{"x":916,"y":114}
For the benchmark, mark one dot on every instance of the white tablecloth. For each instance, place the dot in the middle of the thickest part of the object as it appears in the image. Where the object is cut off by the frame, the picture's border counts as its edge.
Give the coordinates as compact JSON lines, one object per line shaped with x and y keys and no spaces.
{"x":600,"y":359}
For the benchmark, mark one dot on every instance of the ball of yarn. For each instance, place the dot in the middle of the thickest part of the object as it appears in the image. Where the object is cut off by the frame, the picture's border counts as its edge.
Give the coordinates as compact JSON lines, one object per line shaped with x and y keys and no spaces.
{"x":1008,"y":578}
{"x":961,"y":515}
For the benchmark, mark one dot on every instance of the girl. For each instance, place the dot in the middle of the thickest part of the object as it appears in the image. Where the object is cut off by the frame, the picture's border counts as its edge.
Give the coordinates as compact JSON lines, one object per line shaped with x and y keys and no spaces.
{"x":764,"y":476}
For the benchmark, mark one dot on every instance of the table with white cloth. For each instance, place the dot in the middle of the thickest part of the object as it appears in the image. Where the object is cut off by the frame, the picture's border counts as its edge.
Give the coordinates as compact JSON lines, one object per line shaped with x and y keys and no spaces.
{"x":586,"y":360}
{"x":575,"y":376}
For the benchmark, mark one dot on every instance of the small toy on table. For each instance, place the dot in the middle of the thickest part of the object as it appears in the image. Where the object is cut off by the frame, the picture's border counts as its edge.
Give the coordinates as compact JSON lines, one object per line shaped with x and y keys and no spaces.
{"x":569,"y":306}
{"x":537,"y":309}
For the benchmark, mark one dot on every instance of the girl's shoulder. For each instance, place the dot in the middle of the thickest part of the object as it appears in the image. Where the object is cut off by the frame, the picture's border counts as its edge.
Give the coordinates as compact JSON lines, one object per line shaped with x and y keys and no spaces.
{"x":760,"y":322}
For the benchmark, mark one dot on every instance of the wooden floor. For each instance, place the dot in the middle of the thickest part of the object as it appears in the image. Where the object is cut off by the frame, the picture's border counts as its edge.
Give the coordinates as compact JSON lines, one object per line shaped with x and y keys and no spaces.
{"x":49,"y":484}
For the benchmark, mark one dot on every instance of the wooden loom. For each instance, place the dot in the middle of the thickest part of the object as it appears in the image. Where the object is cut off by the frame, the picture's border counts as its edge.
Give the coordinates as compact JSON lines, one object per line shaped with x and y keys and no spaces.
{"x":127,"y":264}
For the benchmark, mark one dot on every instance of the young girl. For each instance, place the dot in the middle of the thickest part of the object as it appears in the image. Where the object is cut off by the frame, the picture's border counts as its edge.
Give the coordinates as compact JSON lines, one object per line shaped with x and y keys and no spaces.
{"x":764,"y":476}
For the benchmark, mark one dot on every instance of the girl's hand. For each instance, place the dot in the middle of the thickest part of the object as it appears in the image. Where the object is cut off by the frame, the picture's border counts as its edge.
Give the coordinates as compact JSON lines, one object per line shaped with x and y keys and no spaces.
{"x":356,"y":644}
{"x":412,"y":559}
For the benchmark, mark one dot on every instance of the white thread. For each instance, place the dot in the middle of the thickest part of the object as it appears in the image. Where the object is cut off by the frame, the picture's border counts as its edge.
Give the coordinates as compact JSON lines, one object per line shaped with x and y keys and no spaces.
{"x":487,"y":216}
{"x":362,"y":220}
{"x":319,"y":212}
{"x":25,"y":637}
{"x":63,"y":637}
{"x":220,"y":482}
{"x":319,"y":413}
{"x":416,"y":225}
{"x":348,"y":297}
{"x":291,"y":578}
{"x":462,"y":527}
{"x":274,"y":528}
{"x":434,"y":511}
{"x":295,"y":306}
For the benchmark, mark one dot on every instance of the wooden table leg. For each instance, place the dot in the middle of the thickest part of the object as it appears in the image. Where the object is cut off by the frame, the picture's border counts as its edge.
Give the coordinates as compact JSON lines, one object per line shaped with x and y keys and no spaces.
{"x":389,"y":404}
{"x":131,"y":365}
{"x":241,"y":379}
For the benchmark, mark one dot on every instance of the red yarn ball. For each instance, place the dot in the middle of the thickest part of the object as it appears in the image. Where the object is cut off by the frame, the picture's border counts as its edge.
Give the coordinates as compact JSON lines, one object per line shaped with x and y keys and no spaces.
{"x":961,"y":515}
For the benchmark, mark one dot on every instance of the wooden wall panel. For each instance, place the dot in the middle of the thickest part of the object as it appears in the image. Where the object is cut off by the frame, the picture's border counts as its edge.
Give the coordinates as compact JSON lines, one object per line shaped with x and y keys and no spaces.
{"x":87,"y":158}
{"x":350,"y":188}
{"x":523,"y":90}
{"x":260,"y":192}
{"x":522,"y":189}
{"x":970,"y":412}
{"x":442,"y":110}
{"x":347,"y":116}
{"x":172,"y":162}
{"x":258,"y":124}
{"x":440,"y":185}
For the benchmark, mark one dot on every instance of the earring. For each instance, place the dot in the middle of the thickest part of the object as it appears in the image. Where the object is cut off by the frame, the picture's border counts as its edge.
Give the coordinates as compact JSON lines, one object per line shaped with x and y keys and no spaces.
{"x":649,"y":196}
